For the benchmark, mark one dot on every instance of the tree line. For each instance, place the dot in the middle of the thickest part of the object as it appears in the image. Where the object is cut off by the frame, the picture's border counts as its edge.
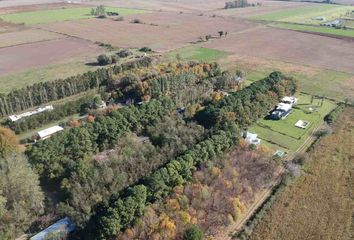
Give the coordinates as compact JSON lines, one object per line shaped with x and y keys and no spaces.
{"x":126,"y":207}
{"x":41,"y":93}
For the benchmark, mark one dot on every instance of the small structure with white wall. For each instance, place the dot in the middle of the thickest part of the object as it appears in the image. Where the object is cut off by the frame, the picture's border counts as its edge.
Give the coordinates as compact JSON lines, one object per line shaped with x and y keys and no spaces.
{"x":289,"y":100}
{"x":46,"y":133}
{"x":17,"y":117}
{"x":252,"y":138}
{"x":302,"y":124}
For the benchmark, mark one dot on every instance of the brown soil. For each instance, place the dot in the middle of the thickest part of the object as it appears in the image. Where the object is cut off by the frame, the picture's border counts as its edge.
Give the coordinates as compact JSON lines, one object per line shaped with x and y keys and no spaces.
{"x":36,"y":7}
{"x":161,"y":30}
{"x":290,"y":46}
{"x":22,"y":57}
{"x":26,"y":36}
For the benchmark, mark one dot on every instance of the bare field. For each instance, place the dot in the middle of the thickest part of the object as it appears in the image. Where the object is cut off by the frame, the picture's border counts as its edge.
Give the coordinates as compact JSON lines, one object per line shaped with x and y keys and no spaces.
{"x":23,"y":57}
{"x":22,"y":3}
{"x":166,"y":5}
{"x":38,"y":5}
{"x":161,"y":31}
{"x":26,"y":36}
{"x":291,"y":46}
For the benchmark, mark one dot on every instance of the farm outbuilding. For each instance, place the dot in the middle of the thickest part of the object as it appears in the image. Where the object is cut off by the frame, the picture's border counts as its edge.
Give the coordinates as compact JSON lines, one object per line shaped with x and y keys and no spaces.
{"x":61,"y":229}
{"x":46,"y":133}
{"x":15,"y":118}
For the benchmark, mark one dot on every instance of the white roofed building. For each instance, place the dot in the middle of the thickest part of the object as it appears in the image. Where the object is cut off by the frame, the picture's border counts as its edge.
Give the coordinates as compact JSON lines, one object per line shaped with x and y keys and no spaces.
{"x":17,"y":117}
{"x":46,"y":133}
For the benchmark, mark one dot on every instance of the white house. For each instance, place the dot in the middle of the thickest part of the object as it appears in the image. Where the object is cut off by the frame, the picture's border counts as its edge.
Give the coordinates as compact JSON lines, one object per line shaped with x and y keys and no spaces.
{"x":46,"y":133}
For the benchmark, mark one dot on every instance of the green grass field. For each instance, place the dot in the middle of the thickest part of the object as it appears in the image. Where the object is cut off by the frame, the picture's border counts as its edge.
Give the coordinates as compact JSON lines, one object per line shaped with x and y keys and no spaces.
{"x":283,"y":134}
{"x":48,"y":73}
{"x":197,"y":53}
{"x":316,"y":29}
{"x":58,"y":15}
{"x":304,"y":19}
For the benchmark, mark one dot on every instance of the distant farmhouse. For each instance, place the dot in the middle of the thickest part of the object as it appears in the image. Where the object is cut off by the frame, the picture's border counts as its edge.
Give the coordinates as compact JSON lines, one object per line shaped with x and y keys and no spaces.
{"x":15,"y":118}
{"x":283,"y":109}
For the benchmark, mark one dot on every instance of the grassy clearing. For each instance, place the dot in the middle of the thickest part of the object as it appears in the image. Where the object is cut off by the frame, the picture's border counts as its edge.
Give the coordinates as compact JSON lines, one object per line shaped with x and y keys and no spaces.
{"x":58,"y":15}
{"x":316,"y":29}
{"x":283,"y":134}
{"x":304,"y":19}
{"x":319,"y":204}
{"x":49,"y":73}
{"x":306,"y":14}
{"x":197,"y":53}
{"x":321,"y":82}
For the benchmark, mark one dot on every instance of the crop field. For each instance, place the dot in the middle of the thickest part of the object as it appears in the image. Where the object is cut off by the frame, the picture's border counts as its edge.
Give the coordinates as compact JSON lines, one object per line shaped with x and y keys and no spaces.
{"x":161,"y":31}
{"x":289,"y":46}
{"x":26,"y":36}
{"x":319,"y":204}
{"x":33,"y":55}
{"x":310,"y":18}
{"x":284,"y":134}
{"x":58,"y":15}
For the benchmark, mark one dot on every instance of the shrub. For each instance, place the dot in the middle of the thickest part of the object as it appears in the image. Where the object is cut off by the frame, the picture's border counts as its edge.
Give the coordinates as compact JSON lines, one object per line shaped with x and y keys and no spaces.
{"x":136,"y":20}
{"x":193,"y":233}
{"x":145,"y":49}
{"x":103,"y":60}
{"x":124,"y":53}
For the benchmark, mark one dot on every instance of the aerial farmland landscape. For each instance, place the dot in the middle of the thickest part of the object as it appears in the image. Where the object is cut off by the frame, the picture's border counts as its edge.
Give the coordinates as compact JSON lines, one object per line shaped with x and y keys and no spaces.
{"x":176,"y":119}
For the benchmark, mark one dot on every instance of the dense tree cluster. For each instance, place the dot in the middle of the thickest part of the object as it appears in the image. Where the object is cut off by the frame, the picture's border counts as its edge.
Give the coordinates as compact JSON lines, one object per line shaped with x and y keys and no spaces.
{"x":60,"y":111}
{"x":109,"y":220}
{"x":214,"y":199}
{"x":65,"y":152}
{"x":131,"y":159}
{"x":249,"y":104}
{"x":21,"y":199}
{"x":41,"y":93}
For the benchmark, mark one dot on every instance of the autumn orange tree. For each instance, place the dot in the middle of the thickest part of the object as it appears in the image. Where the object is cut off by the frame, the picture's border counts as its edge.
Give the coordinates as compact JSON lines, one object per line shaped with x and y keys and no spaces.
{"x":8,"y":141}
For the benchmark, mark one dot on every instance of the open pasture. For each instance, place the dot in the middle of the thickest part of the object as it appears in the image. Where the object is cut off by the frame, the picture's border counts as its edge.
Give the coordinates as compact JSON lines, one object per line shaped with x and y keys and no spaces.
{"x":310,"y":19}
{"x":59,"y":15}
{"x":23,"y":57}
{"x":26,"y":36}
{"x":289,"y":46}
{"x":161,"y":31}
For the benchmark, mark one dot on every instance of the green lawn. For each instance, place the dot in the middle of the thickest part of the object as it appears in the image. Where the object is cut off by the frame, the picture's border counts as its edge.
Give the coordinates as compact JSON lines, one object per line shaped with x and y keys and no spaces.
{"x":197,"y":53}
{"x":58,"y":15}
{"x":304,"y":19}
{"x":306,"y":14}
{"x":282,"y":134}
{"x":316,"y":29}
